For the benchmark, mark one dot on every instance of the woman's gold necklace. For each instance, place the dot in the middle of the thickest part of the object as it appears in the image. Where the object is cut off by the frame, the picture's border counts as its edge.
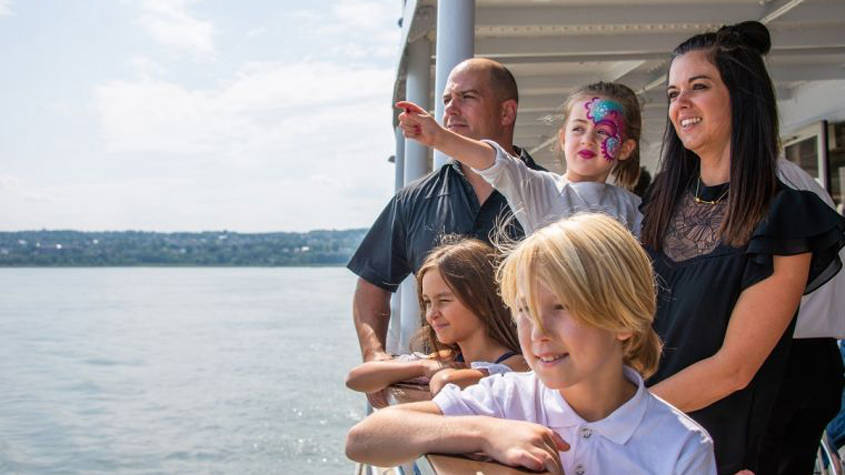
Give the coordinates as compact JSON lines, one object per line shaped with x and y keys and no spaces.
{"x":714,"y":202}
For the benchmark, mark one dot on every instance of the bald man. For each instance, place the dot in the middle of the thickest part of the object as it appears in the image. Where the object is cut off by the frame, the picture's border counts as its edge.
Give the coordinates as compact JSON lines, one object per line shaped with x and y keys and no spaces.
{"x":481,"y":101}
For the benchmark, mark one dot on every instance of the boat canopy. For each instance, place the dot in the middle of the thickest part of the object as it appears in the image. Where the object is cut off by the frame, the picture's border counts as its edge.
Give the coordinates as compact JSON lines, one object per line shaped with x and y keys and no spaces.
{"x":553,"y":46}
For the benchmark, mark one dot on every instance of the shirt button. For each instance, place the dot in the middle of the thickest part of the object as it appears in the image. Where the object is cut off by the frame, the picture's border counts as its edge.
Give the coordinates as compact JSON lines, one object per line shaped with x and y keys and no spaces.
{"x":579,"y":470}
{"x":586,"y":432}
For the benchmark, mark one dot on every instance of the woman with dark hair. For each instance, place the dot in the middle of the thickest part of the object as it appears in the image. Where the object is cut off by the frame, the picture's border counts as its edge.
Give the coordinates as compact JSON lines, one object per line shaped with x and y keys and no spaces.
{"x":732,"y":247}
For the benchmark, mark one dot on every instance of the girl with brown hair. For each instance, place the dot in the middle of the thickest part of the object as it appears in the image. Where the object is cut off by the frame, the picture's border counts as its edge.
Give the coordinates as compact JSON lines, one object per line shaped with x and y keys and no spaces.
{"x":467,"y":332}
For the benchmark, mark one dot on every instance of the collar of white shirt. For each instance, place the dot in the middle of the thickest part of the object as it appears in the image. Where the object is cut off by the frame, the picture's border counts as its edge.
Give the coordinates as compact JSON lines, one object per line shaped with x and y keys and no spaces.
{"x":619,"y":426}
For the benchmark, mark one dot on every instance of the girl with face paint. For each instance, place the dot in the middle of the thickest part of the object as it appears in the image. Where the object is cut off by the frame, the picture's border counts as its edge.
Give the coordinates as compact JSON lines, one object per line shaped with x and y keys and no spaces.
{"x":599,"y":137}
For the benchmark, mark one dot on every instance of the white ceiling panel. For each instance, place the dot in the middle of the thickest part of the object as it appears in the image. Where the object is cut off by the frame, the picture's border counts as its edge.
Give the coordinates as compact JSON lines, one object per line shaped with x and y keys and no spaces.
{"x":555,"y":46}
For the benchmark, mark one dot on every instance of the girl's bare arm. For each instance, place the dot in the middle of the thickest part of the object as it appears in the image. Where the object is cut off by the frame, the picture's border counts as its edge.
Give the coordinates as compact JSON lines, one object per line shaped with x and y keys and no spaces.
{"x":373,"y":376}
{"x":468,"y":377}
{"x":417,"y":124}
{"x":461,"y":377}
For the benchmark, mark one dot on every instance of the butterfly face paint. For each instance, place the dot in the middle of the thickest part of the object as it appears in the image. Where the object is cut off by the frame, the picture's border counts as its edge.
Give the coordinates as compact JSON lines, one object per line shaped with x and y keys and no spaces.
{"x":608,"y":116}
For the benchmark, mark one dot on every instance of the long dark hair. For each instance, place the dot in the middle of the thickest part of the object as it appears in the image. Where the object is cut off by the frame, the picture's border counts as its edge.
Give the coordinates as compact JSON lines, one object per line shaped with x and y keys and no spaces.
{"x":737,"y":52}
{"x":468,"y":266}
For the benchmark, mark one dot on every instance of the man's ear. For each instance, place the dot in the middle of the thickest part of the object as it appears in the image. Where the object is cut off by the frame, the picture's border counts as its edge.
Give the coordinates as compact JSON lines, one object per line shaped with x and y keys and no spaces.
{"x":628,"y":147}
{"x":508,"y":112}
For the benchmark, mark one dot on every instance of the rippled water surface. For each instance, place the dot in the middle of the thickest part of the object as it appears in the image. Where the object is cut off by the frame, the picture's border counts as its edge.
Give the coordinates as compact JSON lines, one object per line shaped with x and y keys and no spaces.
{"x":176,"y":370}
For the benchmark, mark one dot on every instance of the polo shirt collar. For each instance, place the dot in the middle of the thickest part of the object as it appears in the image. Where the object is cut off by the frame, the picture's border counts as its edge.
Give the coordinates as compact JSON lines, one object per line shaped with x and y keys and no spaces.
{"x":525,"y":157}
{"x":456,"y":165}
{"x":618,"y":427}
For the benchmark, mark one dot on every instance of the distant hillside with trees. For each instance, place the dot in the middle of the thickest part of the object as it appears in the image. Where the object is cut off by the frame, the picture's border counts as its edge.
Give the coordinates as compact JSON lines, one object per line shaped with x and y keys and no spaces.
{"x":211,"y":248}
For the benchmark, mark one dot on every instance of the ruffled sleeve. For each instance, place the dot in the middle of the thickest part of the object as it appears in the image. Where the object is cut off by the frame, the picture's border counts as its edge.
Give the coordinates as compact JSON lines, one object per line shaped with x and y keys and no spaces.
{"x":531,"y":194}
{"x":798,"y":222}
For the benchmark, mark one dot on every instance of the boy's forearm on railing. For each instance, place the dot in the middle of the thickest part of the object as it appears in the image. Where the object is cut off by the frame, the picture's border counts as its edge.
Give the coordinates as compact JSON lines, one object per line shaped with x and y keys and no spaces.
{"x":397,"y":434}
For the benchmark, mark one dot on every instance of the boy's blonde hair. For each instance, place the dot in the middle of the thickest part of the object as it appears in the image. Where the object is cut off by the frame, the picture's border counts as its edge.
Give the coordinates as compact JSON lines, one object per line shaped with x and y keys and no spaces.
{"x":598,"y":271}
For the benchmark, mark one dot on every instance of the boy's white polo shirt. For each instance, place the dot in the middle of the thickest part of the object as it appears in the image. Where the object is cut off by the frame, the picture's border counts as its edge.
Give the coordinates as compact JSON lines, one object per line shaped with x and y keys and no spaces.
{"x":645,"y":435}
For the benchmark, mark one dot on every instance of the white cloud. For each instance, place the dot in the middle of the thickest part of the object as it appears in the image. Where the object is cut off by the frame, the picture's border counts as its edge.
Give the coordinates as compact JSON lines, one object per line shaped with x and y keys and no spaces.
{"x":148,"y":116}
{"x":269,"y":105}
{"x":38,"y":197}
{"x":19,"y":195}
{"x":169,"y":22}
{"x":358,"y":28}
{"x":87,"y":205}
{"x":273,"y":138}
{"x":363,"y":15}
{"x":145,"y":67}
{"x":277,"y":145}
{"x":244,"y":203}
{"x":10,"y":182}
{"x":256,"y":32}
{"x":309,"y":17}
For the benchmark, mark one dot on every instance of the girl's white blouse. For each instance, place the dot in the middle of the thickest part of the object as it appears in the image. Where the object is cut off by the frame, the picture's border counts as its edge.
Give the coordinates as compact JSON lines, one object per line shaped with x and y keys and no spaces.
{"x":538,"y":198}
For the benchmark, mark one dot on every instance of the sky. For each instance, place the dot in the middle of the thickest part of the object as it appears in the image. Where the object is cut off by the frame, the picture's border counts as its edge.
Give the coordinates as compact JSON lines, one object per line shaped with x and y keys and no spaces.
{"x":192,"y":115}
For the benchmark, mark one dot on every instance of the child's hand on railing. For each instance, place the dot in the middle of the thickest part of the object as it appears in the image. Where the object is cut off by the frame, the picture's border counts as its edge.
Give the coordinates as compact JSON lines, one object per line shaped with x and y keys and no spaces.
{"x":431,"y":366}
{"x":439,"y":380}
{"x":378,"y":399}
{"x":524,"y":444}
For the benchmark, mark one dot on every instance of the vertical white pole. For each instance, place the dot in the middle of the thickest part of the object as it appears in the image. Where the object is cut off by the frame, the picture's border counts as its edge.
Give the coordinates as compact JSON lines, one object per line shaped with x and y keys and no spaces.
{"x":821,"y":152}
{"x":455,"y":43}
{"x":399,"y":160}
{"x":394,"y":329}
{"x":410,"y":313}
{"x":417,"y":89}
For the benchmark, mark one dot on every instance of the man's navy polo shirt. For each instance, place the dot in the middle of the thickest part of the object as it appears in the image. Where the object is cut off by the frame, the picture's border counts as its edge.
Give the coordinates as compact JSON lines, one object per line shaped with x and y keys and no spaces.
{"x":442,"y":202}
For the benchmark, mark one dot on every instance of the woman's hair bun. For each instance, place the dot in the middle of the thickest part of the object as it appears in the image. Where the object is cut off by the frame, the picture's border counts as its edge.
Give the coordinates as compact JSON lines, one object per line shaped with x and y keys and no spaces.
{"x":750,"y":34}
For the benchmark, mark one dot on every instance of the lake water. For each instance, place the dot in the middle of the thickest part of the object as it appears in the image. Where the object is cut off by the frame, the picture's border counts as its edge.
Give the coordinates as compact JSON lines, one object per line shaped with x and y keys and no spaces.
{"x":176,"y":370}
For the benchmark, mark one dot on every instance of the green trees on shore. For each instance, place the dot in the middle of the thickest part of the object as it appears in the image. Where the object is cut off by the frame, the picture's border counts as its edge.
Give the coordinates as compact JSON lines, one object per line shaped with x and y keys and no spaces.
{"x":210,"y":248}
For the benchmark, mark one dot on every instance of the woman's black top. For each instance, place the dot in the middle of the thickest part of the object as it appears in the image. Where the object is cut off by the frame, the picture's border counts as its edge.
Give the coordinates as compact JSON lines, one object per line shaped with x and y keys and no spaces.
{"x":699,"y":281}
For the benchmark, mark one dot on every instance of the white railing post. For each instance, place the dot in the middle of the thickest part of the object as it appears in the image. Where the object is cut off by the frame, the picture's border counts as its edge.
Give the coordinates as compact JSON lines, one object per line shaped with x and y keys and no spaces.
{"x":399,"y":160}
{"x":455,"y":43}
{"x":418,"y":90}
{"x":394,"y":329}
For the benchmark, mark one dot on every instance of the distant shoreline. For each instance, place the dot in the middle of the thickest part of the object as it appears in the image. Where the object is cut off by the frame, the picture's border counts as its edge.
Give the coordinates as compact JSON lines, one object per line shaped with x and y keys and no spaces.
{"x":37,"y":249}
